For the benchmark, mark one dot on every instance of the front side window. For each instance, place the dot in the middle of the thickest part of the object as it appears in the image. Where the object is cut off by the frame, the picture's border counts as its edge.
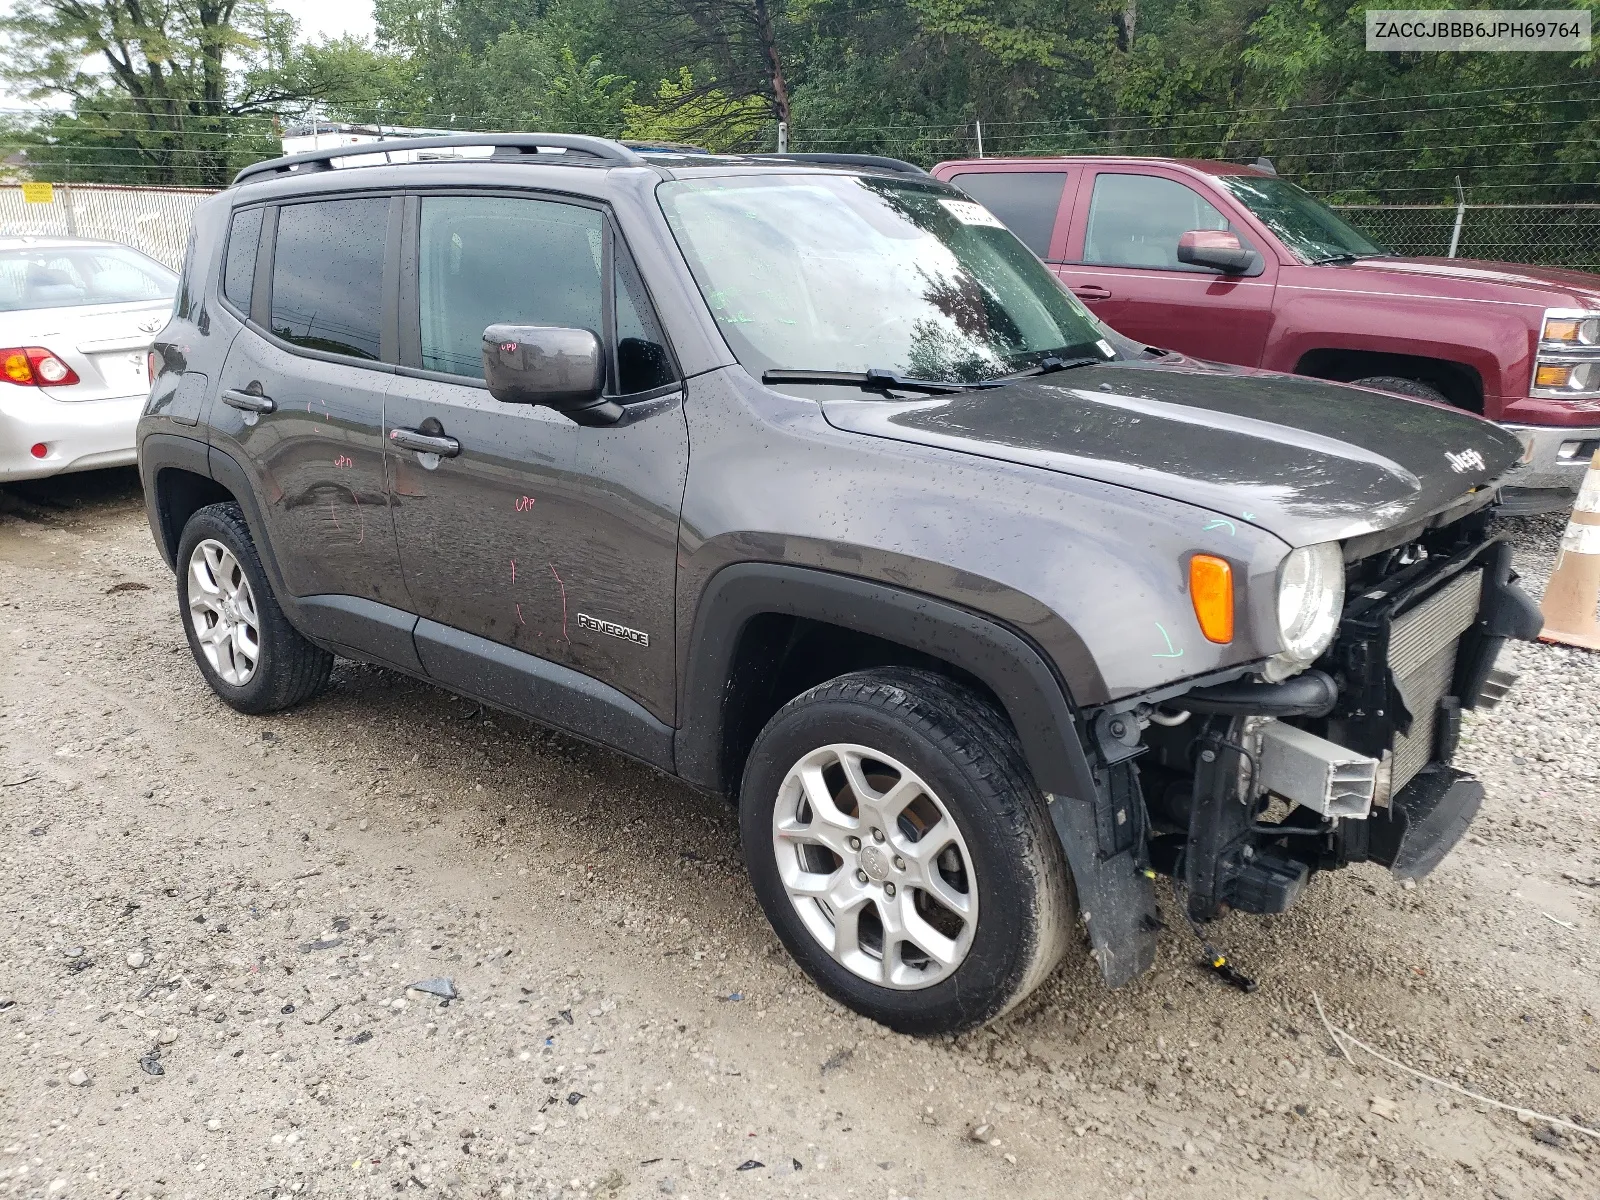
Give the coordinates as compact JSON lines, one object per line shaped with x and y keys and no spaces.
{"x":239,"y":265}
{"x":1136,"y":221}
{"x":1027,"y":201}
{"x":1312,"y":230}
{"x":643,"y":363}
{"x":327,"y":275}
{"x":487,"y":260}
{"x":850,"y":273}
{"x":77,"y":276}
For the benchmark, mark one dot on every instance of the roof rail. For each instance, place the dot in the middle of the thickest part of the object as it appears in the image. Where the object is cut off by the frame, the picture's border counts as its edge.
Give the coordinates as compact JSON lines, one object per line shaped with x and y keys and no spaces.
{"x":507,"y":145}
{"x":897,"y":165}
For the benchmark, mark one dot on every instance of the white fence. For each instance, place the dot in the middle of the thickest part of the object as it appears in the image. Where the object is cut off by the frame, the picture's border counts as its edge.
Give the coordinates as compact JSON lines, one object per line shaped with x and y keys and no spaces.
{"x":154,"y":220}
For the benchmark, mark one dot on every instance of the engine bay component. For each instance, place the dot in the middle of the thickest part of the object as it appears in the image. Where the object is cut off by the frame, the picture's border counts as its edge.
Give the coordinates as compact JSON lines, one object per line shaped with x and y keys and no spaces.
{"x":1314,"y":772}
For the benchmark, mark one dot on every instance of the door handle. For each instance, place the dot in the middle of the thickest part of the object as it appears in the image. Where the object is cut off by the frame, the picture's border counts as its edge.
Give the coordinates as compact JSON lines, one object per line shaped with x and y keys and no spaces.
{"x":1091,"y":291}
{"x":248,"y":401}
{"x":423,"y":443}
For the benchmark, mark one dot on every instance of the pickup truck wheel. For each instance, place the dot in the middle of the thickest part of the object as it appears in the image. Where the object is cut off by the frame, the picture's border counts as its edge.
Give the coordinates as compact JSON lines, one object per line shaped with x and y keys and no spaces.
{"x":1414,"y":388}
{"x":901,"y":851}
{"x":244,"y":645}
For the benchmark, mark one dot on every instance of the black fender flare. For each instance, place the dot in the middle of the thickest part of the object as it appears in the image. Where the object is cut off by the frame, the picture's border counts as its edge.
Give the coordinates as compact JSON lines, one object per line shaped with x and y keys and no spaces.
{"x":161,"y":451}
{"x":1115,"y":896}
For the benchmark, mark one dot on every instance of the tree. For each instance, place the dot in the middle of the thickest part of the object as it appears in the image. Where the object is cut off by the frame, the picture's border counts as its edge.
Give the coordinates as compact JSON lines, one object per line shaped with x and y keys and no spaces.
{"x":150,"y":81}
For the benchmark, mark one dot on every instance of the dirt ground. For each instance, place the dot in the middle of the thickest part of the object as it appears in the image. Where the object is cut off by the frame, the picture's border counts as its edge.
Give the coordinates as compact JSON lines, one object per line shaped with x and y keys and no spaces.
{"x":238,"y":904}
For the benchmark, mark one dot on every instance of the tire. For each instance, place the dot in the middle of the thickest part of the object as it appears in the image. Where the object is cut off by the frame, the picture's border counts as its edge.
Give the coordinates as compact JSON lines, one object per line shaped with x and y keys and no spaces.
{"x":221,"y":585}
{"x":912,"y":736}
{"x":1414,"y":388}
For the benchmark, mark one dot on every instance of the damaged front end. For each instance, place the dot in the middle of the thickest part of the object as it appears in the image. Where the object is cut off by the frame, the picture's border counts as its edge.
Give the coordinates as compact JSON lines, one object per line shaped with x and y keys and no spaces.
{"x":1245,"y":788}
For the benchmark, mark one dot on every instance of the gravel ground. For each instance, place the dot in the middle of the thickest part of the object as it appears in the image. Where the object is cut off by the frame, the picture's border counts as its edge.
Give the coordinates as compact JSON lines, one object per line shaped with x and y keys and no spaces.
{"x":214,"y":920}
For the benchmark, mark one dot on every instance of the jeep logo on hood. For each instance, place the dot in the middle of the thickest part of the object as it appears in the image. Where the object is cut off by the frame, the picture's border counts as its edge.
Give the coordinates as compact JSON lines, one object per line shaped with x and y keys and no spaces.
{"x":1467,"y":460}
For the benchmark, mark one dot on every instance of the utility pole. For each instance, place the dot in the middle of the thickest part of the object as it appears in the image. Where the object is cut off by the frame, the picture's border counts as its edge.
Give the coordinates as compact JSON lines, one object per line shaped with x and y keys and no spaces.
{"x":783,"y":137}
{"x":978,"y":126}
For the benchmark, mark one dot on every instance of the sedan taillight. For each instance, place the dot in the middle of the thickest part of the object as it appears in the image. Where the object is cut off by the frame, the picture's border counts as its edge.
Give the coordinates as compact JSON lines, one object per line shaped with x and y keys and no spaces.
{"x":34,"y":366}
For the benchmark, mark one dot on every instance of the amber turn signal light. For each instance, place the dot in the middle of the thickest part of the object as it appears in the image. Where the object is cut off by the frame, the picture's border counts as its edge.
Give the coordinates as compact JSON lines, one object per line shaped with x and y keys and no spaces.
{"x":1211,"y":591}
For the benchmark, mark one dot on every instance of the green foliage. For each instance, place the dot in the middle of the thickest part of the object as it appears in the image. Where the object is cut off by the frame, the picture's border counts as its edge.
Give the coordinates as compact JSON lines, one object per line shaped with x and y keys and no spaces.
{"x":181,"y":89}
{"x":683,"y":112}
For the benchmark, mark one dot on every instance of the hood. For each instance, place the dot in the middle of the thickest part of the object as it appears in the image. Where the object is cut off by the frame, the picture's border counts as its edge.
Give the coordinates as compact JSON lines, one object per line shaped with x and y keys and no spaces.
{"x":1554,"y":287}
{"x":1306,"y":460}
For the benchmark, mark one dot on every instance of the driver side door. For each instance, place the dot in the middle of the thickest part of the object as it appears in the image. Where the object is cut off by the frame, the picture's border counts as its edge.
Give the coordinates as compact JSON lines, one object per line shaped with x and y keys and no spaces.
{"x":1122,"y":261}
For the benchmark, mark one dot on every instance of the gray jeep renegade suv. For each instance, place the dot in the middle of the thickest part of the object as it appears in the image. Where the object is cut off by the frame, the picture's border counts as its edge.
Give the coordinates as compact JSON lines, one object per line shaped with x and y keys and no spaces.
{"x":802,"y":479}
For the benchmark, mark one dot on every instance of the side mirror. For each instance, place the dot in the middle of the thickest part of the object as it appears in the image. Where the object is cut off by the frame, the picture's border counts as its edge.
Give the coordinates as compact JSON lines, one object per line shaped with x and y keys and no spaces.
{"x":1217,"y":249}
{"x":563,"y":369}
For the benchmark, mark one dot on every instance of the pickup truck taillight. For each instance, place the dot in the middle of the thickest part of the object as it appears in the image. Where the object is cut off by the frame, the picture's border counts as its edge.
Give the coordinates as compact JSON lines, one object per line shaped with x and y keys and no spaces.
{"x":34,"y":366}
{"x":1568,"y":363}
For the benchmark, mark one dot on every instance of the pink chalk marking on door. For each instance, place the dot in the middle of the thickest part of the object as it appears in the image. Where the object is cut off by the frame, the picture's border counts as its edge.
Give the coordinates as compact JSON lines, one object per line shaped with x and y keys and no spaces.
{"x":513,"y":570}
{"x":363,"y":515}
{"x":520,"y":621}
{"x":563,"y":588}
{"x":524,"y":503}
{"x":332,"y":512}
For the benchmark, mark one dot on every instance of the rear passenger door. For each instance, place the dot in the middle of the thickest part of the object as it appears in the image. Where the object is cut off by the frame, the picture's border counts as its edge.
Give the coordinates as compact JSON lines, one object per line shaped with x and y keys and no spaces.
{"x":530,"y":532}
{"x":1033,"y":202}
{"x":1123,"y":263}
{"x":300,"y":399}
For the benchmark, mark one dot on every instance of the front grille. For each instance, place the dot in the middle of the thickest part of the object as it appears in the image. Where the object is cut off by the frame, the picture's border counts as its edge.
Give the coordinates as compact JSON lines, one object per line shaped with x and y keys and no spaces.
{"x":1422,"y":656}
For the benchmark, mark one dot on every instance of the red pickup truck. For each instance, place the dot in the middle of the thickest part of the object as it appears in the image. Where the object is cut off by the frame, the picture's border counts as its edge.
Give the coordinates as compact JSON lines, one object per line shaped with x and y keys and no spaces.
{"x":1234,"y":264}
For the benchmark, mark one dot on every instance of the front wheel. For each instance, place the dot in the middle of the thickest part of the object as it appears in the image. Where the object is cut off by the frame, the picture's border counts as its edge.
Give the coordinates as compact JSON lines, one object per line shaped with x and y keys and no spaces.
{"x":901,"y":851}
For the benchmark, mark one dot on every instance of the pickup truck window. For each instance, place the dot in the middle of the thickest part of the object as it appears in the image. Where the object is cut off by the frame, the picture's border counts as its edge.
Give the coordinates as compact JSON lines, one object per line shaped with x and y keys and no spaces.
{"x":1312,"y":230}
{"x":1136,"y":220}
{"x":852,"y":273}
{"x":1027,"y":201}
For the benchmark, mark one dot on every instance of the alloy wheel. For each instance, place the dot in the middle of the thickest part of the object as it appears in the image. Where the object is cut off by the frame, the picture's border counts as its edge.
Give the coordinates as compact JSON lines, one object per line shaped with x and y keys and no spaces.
{"x":875,"y":866}
{"x":222,"y":608}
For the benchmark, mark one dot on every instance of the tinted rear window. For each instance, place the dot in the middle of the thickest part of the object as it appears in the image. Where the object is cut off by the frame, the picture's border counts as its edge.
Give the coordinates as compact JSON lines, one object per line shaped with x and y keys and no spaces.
{"x":1026,"y":201}
{"x":239,"y":267}
{"x":327,"y":275}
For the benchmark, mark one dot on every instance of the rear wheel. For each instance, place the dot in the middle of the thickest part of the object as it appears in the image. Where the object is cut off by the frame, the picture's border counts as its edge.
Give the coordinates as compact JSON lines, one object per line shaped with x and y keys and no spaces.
{"x":244,"y":645}
{"x":1414,"y":388}
{"x":901,"y":851}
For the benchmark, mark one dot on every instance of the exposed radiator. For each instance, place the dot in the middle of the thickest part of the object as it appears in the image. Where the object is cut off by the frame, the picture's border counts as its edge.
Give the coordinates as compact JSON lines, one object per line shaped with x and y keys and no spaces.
{"x":1422,"y":655}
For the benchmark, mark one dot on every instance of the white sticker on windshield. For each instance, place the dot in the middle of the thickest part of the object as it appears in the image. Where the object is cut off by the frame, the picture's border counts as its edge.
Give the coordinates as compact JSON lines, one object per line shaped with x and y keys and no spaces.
{"x":969,"y":213}
{"x":1105,"y":348}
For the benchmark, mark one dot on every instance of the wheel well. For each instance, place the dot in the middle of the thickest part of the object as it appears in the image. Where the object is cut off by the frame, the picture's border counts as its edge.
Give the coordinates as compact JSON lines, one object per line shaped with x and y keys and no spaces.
{"x":778,"y":657}
{"x":1461,"y":384}
{"x":179,"y":495}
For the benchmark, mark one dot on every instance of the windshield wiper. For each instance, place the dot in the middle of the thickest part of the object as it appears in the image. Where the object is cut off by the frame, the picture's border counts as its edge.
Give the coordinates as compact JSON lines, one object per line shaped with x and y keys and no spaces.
{"x":876,"y":380}
{"x":1049,"y":366}
{"x":1338,"y":258}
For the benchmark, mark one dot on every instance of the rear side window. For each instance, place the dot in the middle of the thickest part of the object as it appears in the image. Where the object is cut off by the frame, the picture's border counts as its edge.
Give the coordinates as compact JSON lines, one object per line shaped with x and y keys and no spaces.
{"x":1136,"y":220}
{"x":1026,"y":201}
{"x":327,"y":275}
{"x":486,"y":260}
{"x":239,"y":266}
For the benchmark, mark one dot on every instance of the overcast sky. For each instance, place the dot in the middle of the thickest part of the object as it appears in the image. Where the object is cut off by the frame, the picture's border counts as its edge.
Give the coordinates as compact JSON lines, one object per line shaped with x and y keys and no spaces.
{"x":331,"y":18}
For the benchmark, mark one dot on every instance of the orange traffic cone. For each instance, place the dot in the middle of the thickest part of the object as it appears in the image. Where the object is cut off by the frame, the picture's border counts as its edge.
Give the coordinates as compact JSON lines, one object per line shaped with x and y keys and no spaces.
{"x":1573,"y":592}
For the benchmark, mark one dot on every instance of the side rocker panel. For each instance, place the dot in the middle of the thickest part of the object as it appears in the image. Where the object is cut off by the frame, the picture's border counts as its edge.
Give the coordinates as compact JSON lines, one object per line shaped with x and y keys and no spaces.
{"x":1117,"y":902}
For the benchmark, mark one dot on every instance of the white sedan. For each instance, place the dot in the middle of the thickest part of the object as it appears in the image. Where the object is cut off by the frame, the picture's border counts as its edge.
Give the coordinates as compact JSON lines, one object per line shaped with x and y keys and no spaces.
{"x":76,"y":321}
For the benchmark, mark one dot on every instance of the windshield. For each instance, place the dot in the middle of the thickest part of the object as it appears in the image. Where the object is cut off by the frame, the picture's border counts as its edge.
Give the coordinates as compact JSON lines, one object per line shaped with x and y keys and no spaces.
{"x":69,"y":276}
{"x":852,"y":273}
{"x":1302,"y":222}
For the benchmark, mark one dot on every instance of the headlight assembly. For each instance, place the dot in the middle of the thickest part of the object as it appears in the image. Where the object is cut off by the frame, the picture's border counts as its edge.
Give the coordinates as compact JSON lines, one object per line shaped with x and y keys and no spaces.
{"x":1310,"y":601}
{"x":1567,"y":366}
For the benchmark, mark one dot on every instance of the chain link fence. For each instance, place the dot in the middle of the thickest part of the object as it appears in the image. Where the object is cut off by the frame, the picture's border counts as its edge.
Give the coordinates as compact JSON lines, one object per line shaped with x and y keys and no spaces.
{"x":153,"y":220}
{"x":1550,"y":235}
